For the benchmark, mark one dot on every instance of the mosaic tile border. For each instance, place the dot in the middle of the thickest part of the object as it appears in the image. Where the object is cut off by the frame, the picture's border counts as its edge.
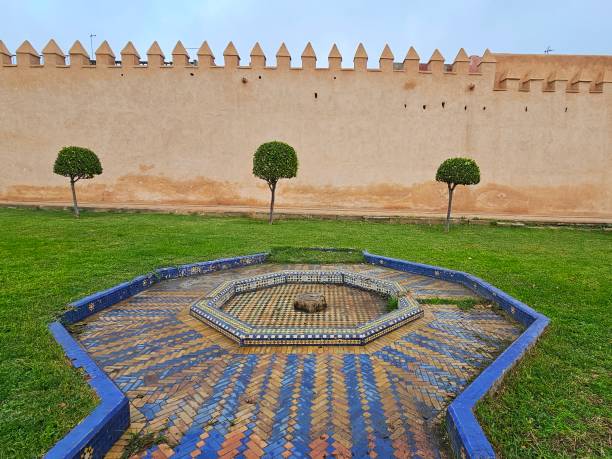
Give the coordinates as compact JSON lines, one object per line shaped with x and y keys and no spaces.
{"x":468,"y":440}
{"x":96,"y":434}
{"x":208,"y":310}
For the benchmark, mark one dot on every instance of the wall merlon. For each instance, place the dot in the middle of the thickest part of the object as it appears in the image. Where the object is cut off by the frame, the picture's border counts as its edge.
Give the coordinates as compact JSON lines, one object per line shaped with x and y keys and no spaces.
{"x":130,"y":56}
{"x":53,"y":55}
{"x":579,"y":83}
{"x":78,"y":56}
{"x":436,"y":62}
{"x":508,"y":80}
{"x":258,"y":57}
{"x":557,"y":81}
{"x":487,"y":65}
{"x":105,"y":57}
{"x":27,"y":55}
{"x":488,"y":57}
{"x":206,"y":58}
{"x":603,"y":79}
{"x":180,"y":56}
{"x":283,"y":58}
{"x":5,"y":55}
{"x":334,"y":60}
{"x":532,"y":83}
{"x":309,"y":58}
{"x":461,"y":64}
{"x":411,"y":61}
{"x":230,"y":56}
{"x":385,"y":63}
{"x":360,"y":61}
{"x":155,"y":56}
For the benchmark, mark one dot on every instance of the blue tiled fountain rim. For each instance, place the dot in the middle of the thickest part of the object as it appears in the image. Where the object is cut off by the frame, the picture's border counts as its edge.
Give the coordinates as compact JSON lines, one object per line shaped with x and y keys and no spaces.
{"x":468,"y":440}
{"x":209,"y":310}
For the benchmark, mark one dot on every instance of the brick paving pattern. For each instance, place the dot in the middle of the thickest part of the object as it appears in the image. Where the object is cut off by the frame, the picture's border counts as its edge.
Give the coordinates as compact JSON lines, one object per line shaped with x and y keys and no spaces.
{"x":213,"y":398}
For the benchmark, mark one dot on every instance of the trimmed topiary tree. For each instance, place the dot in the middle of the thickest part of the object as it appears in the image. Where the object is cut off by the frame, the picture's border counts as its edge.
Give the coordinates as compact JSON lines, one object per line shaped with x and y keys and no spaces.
{"x":457,"y":171}
{"x":273,"y":161}
{"x":77,"y":163}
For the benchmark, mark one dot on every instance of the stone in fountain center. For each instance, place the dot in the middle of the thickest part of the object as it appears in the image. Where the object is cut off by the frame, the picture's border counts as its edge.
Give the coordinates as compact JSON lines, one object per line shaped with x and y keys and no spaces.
{"x":310,"y":302}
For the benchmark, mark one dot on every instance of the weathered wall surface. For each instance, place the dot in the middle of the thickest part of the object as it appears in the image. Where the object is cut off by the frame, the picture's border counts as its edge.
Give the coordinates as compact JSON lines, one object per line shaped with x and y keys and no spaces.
{"x":540,"y":127}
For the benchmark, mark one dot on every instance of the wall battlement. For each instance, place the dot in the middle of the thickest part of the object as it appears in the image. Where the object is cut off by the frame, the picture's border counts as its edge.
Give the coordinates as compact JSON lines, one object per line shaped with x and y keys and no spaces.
{"x":180,"y":130}
{"x":506,"y":72}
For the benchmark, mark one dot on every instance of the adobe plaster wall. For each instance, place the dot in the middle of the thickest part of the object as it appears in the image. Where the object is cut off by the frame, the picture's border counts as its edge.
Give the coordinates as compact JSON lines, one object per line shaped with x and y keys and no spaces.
{"x":540,"y":128}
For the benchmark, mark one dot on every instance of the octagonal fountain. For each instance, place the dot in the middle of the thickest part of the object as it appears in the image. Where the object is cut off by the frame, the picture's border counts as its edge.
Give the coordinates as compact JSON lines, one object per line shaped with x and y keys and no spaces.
{"x":260,"y":310}
{"x":154,"y":363}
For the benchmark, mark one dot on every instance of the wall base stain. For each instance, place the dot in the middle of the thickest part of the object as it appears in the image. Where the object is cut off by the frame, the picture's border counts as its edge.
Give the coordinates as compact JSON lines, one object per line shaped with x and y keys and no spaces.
{"x":488,"y":198}
{"x":485,"y":198}
{"x":137,"y":189}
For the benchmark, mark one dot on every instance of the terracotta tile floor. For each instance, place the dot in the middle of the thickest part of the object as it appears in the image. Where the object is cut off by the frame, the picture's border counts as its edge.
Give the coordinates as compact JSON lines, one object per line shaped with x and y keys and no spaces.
{"x":215,"y":399}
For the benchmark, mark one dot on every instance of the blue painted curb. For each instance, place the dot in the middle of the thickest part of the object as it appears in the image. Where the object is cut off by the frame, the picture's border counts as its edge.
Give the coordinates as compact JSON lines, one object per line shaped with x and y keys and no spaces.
{"x":96,"y":434}
{"x":468,"y":440}
{"x":102,"y":428}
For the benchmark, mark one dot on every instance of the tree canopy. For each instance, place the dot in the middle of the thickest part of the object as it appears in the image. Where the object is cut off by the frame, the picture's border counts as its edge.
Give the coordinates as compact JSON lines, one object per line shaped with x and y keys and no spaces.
{"x":275,"y":160}
{"x":458,"y":171}
{"x":77,"y":163}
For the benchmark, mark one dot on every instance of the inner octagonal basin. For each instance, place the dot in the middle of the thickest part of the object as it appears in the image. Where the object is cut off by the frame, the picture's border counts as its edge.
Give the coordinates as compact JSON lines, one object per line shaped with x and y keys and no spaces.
{"x":259,"y":310}
{"x":273,"y":306}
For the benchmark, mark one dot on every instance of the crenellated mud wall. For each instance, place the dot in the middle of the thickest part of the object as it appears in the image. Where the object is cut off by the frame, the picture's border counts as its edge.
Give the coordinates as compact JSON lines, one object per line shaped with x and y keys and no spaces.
{"x":183,"y":132}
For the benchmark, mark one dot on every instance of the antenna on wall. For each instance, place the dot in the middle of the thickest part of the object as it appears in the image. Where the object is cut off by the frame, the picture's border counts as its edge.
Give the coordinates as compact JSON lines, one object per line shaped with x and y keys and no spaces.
{"x":91,"y":37}
{"x":548,"y":50}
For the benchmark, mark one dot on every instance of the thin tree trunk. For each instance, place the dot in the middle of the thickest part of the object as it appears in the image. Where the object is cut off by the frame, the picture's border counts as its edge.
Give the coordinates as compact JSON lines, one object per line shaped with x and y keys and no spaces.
{"x":74,"y":199}
{"x":451,"y":188}
{"x":273,"y":190}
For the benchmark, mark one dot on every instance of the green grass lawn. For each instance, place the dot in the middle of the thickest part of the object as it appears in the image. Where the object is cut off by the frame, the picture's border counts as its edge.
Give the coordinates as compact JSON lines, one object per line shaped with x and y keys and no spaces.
{"x":556,"y":403}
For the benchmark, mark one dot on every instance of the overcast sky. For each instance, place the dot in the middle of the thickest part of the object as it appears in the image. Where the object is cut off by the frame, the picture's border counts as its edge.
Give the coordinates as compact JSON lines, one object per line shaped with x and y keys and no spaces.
{"x":570,"y":27}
